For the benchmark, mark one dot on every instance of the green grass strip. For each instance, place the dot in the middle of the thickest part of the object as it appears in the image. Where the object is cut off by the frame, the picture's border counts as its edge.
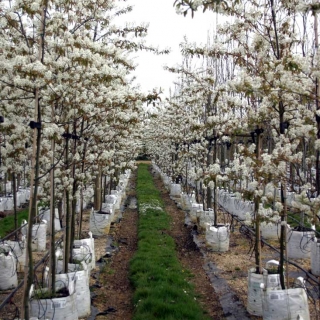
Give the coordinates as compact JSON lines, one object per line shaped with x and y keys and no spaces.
{"x":162,"y":290}
{"x":7,"y":223}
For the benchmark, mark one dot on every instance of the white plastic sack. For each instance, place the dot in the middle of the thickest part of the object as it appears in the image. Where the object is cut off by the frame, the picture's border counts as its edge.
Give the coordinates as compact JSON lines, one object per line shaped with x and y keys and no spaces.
{"x":118,"y":197}
{"x":270,"y":230}
{"x":196,"y":209}
{"x":44,"y":214}
{"x":8,"y":203}
{"x":217,"y":238}
{"x":111,"y":198}
{"x":18,"y":249}
{"x":56,"y":308}
{"x":230,"y":204}
{"x":254,"y":301}
{"x":299,"y":244}
{"x":107,"y":208}
{"x":39,"y":236}
{"x":90,"y":243}
{"x":23,"y":196}
{"x":255,"y":297}
{"x":206,"y":217}
{"x":288,"y":304}
{"x":72,"y":267}
{"x":82,"y":254}
{"x":175,"y":190}
{"x":315,"y":257}
{"x":8,"y":271}
{"x":99,"y":223}
{"x":8,"y":187}
{"x":83,"y":299}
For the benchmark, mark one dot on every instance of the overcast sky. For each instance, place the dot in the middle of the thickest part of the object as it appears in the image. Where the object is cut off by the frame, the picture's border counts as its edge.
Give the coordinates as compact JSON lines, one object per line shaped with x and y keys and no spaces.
{"x":166,"y":30}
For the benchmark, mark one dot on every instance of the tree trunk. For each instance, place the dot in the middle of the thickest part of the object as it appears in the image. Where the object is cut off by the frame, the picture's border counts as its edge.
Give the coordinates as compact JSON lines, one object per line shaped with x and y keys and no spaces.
{"x":14,"y":193}
{"x":256,"y":213}
{"x":52,"y":271}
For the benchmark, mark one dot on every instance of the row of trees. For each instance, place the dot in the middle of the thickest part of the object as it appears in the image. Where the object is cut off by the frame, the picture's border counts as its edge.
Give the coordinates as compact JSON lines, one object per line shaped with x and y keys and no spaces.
{"x":71,"y":112}
{"x":245,"y":114}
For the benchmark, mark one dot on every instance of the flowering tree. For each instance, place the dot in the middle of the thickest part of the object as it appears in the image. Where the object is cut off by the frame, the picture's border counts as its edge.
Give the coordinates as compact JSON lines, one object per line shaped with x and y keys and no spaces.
{"x":65,"y":70}
{"x":274,"y":76}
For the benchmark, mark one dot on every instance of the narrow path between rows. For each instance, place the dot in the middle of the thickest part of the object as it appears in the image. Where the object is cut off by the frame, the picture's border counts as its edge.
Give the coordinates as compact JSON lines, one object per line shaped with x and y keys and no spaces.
{"x":111,"y":289}
{"x":112,"y":292}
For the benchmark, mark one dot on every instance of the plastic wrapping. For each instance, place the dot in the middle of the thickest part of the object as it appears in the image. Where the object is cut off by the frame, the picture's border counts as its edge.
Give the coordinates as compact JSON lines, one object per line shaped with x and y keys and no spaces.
{"x":45,"y":214}
{"x":83,"y":300}
{"x":108,"y":208}
{"x":56,"y":308}
{"x":90,"y":243}
{"x":83,"y":254}
{"x":270,"y":230}
{"x":206,"y":217}
{"x":315,"y":256}
{"x":288,"y":304}
{"x":195,"y":210}
{"x":299,"y":244}
{"x":111,"y":198}
{"x":39,"y":236}
{"x":23,"y":196}
{"x":217,"y":238}
{"x":18,"y":249}
{"x":118,"y":199}
{"x":99,"y":223}
{"x":8,"y":271}
{"x":255,"y":297}
{"x":175,"y":190}
{"x":8,"y":203}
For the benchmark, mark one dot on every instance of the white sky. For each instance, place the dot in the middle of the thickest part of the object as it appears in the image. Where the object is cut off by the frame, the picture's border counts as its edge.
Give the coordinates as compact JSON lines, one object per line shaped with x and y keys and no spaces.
{"x":166,"y":30}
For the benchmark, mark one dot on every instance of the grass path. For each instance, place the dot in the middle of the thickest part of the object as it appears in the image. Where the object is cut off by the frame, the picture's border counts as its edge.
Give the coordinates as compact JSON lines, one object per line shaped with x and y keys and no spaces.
{"x":162,"y":290}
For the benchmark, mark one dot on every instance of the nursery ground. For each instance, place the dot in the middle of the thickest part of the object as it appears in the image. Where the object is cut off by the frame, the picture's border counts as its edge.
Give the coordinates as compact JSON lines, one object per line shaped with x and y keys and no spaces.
{"x":110,"y":286}
{"x":113,"y":294}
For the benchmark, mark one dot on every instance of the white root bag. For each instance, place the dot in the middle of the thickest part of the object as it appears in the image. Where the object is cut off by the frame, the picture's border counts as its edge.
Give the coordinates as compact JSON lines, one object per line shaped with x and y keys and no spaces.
{"x":108,"y":208}
{"x":315,"y":257}
{"x":206,"y":217}
{"x":254,"y":303}
{"x":99,"y":223}
{"x":196,"y":208}
{"x":22,"y":194}
{"x":39,"y":236}
{"x":270,"y":230}
{"x":83,"y":254}
{"x":8,"y":271}
{"x":111,"y":198}
{"x":90,"y":243}
{"x":8,"y":203}
{"x":18,"y":249}
{"x":299,"y":244}
{"x":218,"y":237}
{"x":56,"y":308}
{"x":175,"y":190}
{"x":72,"y":267}
{"x":46,"y":215}
{"x":118,"y":197}
{"x":83,"y":299}
{"x":288,"y":304}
